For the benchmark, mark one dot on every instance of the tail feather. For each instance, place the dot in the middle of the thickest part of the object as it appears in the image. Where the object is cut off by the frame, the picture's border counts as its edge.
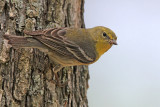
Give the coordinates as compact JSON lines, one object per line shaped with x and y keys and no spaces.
{"x":13,"y":40}
{"x":22,"y":42}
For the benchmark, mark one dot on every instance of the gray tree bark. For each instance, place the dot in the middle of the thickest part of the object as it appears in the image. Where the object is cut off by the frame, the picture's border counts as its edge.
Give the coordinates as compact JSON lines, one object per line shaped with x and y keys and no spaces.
{"x":25,"y":74}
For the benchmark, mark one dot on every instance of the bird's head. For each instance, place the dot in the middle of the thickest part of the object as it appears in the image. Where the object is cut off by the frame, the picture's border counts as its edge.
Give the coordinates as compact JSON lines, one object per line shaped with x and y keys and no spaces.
{"x":104,"y":38}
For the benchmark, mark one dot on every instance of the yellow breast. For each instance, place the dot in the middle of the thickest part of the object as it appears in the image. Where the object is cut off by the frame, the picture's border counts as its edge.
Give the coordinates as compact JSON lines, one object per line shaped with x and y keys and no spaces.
{"x":101,"y":48}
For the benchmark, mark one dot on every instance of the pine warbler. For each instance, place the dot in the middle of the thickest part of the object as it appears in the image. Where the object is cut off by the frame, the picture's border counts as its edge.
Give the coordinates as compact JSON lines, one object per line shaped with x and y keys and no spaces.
{"x":68,"y":46}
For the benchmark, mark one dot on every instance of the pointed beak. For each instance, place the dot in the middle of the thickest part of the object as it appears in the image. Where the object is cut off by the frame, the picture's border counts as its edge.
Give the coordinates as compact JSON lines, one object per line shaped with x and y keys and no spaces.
{"x":113,"y":42}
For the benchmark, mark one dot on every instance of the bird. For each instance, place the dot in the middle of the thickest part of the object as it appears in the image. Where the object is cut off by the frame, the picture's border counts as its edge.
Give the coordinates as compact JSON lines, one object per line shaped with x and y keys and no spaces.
{"x":67,"y":46}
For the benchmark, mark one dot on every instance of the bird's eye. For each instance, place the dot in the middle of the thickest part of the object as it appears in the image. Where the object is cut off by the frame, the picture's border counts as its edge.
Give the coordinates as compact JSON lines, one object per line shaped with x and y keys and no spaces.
{"x":105,"y":35}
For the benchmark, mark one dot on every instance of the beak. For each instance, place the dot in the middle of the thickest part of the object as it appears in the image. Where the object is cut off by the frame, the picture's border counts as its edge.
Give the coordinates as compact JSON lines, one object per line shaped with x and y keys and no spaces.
{"x":113,"y":42}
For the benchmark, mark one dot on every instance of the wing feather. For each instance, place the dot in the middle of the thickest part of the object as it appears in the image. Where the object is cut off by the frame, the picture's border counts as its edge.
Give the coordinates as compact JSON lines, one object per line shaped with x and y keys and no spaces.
{"x":58,"y":42}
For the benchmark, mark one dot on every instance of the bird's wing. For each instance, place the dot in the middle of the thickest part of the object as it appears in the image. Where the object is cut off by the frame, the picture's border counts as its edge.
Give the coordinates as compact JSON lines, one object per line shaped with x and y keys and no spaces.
{"x":56,"y":40}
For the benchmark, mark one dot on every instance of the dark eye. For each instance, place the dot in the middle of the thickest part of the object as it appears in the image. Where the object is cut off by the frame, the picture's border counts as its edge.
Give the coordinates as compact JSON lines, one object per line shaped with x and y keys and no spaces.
{"x":105,"y":35}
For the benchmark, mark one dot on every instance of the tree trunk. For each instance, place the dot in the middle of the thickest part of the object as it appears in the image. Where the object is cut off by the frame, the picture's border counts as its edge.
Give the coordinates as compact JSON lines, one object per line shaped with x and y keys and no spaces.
{"x":25,"y":74}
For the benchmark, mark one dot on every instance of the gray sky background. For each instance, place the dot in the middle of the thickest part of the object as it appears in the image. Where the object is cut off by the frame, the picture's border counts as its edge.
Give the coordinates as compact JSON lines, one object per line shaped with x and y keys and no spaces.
{"x":128,"y":75}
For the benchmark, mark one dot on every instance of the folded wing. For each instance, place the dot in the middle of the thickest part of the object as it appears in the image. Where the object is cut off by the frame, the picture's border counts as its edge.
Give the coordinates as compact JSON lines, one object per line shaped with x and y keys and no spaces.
{"x":56,"y":40}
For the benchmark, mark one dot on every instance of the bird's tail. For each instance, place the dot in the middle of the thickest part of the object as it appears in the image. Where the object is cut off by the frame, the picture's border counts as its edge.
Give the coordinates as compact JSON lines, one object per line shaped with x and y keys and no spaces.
{"x":22,"y":42}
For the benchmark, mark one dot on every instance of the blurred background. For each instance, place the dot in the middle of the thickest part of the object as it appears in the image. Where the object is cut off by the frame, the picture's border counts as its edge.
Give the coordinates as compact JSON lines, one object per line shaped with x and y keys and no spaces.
{"x":128,"y":75}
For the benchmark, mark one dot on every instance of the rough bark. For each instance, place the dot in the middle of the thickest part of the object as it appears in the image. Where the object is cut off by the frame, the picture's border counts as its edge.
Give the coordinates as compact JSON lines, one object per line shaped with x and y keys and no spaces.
{"x":25,"y":74}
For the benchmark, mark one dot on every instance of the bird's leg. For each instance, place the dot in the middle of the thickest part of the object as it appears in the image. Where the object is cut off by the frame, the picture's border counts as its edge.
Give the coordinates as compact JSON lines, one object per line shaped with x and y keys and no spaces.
{"x":55,"y":70}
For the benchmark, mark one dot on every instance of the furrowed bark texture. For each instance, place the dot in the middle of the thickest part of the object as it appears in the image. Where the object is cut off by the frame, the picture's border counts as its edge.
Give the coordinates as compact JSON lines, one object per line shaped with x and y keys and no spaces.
{"x":25,"y":74}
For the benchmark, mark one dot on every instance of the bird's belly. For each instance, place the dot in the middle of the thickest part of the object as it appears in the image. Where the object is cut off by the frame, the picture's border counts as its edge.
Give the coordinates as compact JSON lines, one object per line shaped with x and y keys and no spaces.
{"x":65,"y":60}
